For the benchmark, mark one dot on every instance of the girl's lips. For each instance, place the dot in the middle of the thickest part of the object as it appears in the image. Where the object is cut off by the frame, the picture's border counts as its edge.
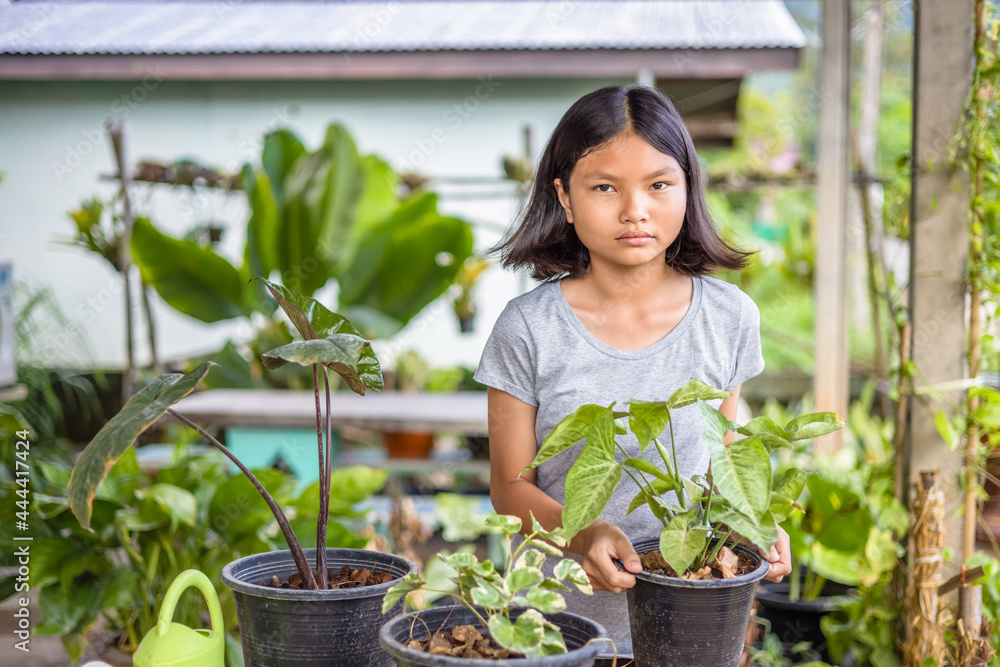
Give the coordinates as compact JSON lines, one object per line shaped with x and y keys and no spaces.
{"x":634,"y":240}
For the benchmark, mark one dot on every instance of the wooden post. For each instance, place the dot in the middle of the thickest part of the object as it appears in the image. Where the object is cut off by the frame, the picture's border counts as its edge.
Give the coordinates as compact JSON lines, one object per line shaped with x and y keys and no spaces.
{"x":116,"y":131}
{"x":830,"y":385}
{"x":942,"y":77}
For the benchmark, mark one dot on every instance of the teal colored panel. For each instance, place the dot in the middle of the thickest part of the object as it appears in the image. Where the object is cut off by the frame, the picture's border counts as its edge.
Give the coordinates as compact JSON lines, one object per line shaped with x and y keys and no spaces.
{"x":295,"y":449}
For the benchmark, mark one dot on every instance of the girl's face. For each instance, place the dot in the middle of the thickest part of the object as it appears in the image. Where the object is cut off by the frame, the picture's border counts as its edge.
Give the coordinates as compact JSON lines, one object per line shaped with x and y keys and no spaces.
{"x":626,"y":201}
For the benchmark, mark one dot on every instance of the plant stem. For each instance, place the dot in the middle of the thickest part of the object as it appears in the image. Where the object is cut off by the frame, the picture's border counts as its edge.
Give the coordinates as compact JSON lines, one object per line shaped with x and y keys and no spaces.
{"x":795,"y":582}
{"x":298,"y":555}
{"x":641,"y":486}
{"x":664,"y":457}
{"x":718,"y":546}
{"x":677,"y":469}
{"x":323,"y":493}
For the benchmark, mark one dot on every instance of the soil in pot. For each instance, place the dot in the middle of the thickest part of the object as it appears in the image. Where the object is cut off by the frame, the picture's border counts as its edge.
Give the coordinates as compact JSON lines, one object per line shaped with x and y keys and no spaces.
{"x":727,"y":564}
{"x":345,"y":577}
{"x":691,"y":622}
{"x":464,"y":641}
{"x":397,"y":634}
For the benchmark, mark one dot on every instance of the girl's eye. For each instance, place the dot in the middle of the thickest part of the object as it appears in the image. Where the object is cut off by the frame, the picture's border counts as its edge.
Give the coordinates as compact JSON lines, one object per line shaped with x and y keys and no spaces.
{"x":604,"y":187}
{"x":659,"y":185}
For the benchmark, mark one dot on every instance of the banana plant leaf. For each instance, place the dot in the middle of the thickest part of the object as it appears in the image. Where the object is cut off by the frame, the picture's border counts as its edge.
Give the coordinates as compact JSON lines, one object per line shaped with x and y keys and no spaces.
{"x":111,"y":442}
{"x":191,"y":278}
{"x":407,"y":261}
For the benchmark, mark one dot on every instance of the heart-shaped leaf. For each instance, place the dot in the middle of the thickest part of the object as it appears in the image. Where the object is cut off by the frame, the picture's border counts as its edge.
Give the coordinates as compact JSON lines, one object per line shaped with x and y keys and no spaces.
{"x":570,"y":431}
{"x":592,"y":480}
{"x":681,"y":542}
{"x":813,"y":425}
{"x":741,"y":470}
{"x":110,"y":443}
{"x":569,"y":570}
{"x":524,"y":577}
{"x":647,"y":420}
{"x":547,"y":602}
{"x":313,"y":320}
{"x":693,"y":391}
{"x":340,"y":352}
{"x":523,"y":635}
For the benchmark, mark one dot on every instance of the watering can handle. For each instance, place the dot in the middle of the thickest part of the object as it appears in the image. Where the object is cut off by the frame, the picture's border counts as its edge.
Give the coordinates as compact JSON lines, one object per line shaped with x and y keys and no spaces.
{"x":184,"y":581}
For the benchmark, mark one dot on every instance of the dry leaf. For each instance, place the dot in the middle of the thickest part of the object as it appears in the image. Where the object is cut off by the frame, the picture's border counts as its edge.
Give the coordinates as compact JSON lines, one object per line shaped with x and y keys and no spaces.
{"x":728,"y":562}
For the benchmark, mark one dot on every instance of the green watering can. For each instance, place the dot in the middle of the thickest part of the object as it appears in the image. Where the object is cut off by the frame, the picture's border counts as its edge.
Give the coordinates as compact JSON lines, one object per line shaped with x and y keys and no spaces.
{"x":174,"y":645}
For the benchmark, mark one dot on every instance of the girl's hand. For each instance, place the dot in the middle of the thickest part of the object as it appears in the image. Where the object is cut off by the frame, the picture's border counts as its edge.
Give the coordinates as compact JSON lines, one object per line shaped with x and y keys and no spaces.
{"x":780,"y":558}
{"x":598,"y":544}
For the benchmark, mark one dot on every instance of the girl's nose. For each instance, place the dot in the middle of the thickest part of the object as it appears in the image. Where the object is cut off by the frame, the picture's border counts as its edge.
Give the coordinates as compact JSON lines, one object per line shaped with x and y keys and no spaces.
{"x":634,"y":207}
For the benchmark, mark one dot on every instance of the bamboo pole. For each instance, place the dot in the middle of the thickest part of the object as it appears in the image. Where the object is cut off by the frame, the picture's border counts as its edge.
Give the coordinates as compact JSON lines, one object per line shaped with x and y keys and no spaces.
{"x":925,"y":635}
{"x":124,"y":253}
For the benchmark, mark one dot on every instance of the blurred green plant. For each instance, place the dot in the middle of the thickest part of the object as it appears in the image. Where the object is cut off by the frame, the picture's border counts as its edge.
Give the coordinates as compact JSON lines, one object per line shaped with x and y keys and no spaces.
{"x":148,"y":528}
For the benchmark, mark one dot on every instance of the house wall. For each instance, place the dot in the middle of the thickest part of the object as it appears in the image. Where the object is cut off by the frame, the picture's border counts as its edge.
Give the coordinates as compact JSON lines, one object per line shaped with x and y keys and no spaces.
{"x":53,"y":151}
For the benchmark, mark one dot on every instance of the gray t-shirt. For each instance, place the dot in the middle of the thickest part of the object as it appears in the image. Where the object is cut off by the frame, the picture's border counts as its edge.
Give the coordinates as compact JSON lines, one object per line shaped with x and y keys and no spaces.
{"x":541,"y":353}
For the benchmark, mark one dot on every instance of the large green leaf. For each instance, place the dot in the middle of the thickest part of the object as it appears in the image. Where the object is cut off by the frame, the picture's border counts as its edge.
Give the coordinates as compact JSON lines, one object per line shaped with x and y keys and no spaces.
{"x":378,"y":200}
{"x":741,"y":470}
{"x":836,"y":516}
{"x":404,"y":263}
{"x":762,"y":533}
{"x":681,"y":542}
{"x":191,"y":278}
{"x":141,"y":411}
{"x":176,"y":503}
{"x":343,"y":180}
{"x":813,"y":425}
{"x":342,"y":353}
{"x":525,"y":634}
{"x":590,"y":483}
{"x":647,"y":420}
{"x":67,"y":610}
{"x":785,"y":492}
{"x":694,"y":390}
{"x":568,"y":432}
{"x":314,"y":320}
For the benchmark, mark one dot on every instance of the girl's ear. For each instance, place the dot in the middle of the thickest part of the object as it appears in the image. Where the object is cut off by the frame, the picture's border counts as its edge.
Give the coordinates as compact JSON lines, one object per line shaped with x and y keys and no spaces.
{"x":563,"y":199}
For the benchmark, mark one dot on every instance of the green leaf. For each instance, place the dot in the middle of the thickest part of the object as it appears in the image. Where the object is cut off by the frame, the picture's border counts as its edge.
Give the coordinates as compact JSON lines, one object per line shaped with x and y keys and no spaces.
{"x":341,"y":352}
{"x":177,"y":503}
{"x":693,"y":391}
{"x":681,"y":543}
{"x":459,"y":560}
{"x":762,"y":533}
{"x":568,"y":432}
{"x":741,"y":470}
{"x":569,"y":570}
{"x":507,"y":523}
{"x":590,"y":483}
{"x":490,"y":594}
{"x":547,"y":602}
{"x":524,"y":577}
{"x":407,"y":261}
{"x":944,"y":428}
{"x":526,"y":633}
{"x":111,"y":442}
{"x":191,"y":278}
{"x":645,"y":466}
{"x":67,"y":610}
{"x":552,"y":644}
{"x":760,"y":425}
{"x":313,"y":320}
{"x":555,"y":536}
{"x":647,"y":420}
{"x":650,"y":494}
{"x":835,"y":515}
{"x":411,"y":582}
{"x":529,"y":558}
{"x":785,"y":492}
{"x":813,"y":425}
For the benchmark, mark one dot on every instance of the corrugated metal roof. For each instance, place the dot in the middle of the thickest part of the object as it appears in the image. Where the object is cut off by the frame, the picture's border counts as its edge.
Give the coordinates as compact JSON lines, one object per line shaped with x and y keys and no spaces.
{"x":297,"y":26}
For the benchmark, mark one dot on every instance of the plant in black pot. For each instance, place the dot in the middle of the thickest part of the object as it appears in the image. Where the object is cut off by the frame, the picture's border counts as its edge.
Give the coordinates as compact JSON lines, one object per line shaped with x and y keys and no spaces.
{"x":845,"y":536}
{"x":517,"y":614}
{"x":691,"y":604}
{"x":297,"y":607}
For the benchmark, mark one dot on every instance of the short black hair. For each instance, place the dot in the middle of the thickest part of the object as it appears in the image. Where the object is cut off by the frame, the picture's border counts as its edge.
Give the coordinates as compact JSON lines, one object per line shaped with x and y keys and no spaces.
{"x":542,"y":242}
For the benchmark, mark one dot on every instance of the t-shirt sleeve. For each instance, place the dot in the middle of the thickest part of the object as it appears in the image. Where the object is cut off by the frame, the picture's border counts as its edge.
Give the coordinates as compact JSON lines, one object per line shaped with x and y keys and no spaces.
{"x":508,"y":361}
{"x":749,"y":358}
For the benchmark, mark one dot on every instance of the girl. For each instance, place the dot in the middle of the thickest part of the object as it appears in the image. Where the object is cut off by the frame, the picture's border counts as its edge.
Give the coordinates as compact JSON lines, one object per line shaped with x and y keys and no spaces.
{"x":618,"y":228}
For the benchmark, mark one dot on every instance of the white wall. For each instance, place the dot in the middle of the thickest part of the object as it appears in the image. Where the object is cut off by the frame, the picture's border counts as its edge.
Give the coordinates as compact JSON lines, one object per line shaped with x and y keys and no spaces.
{"x":53,"y":150}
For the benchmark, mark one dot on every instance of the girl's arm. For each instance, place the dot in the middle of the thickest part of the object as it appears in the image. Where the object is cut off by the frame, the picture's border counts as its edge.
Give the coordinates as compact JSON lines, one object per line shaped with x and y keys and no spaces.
{"x":780,"y":555}
{"x":512,"y":447}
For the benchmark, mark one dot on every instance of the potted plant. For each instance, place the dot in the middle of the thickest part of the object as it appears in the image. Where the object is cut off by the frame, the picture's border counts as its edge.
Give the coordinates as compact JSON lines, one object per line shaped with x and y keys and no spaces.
{"x":844,"y":537}
{"x":282,"y":601}
{"x":691,"y":604}
{"x":519,"y":613}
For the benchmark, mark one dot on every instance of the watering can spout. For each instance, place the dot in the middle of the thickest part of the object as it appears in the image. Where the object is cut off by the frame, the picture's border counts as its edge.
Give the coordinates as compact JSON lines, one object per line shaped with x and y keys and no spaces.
{"x":171,"y":644}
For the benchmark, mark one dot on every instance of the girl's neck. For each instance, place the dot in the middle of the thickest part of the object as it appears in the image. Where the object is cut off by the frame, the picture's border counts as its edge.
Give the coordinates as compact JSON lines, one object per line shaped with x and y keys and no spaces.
{"x":635,"y":287}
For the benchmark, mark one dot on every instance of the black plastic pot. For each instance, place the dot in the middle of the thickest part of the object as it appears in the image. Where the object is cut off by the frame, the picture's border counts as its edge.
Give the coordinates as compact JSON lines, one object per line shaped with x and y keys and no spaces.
{"x":328,"y":628}
{"x":798,"y":621}
{"x":577,"y":631}
{"x":683,"y":623}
